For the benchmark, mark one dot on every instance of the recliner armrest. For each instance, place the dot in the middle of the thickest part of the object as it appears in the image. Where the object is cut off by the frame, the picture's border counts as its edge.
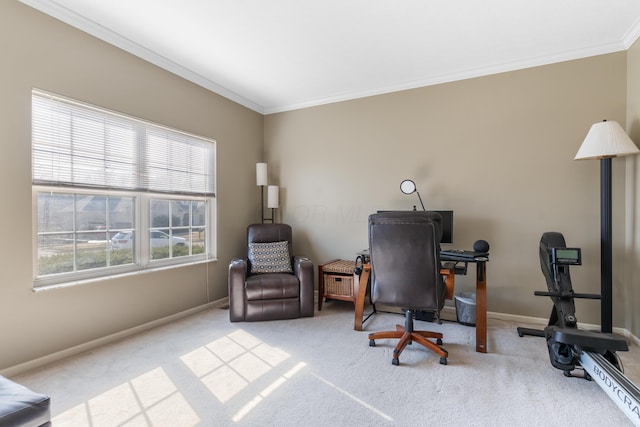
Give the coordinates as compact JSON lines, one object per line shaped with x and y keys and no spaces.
{"x":238,"y":265}
{"x":237,"y":277}
{"x":303,"y":269}
{"x":300,"y":264}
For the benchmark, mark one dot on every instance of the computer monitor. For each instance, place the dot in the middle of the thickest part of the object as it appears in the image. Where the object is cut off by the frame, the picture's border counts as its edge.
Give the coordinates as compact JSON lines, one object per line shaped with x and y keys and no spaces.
{"x":447,"y":225}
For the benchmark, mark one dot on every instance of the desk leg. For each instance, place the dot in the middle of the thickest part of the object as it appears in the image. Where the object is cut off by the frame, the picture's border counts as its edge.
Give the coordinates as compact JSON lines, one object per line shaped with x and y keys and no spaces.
{"x":481,"y":307}
{"x":362,"y":292}
{"x":320,"y":286}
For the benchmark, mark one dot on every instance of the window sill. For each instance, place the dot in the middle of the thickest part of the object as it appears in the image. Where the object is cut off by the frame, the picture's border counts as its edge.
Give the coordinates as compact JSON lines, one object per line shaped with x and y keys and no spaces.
{"x":72,"y":283}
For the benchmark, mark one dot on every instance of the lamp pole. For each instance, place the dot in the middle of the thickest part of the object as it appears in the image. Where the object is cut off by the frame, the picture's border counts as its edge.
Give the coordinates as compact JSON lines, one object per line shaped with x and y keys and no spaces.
{"x":262,"y":203}
{"x":606,"y":252}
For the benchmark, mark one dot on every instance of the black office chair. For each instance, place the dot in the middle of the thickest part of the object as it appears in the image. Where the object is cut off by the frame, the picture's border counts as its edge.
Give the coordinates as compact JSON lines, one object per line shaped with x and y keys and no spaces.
{"x":405,"y":272}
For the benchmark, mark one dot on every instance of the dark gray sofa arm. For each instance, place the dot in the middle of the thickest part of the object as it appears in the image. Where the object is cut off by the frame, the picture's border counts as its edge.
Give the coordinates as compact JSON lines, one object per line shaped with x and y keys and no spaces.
{"x":20,"y":406}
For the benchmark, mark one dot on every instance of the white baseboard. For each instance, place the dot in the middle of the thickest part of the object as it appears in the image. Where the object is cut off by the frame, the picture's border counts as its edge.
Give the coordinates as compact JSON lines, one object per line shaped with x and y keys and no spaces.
{"x":81,"y":348}
{"x":517,"y":318}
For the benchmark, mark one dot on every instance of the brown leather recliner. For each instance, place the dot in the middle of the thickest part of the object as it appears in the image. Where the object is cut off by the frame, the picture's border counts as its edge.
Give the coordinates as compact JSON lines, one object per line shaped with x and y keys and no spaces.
{"x":260,"y":287}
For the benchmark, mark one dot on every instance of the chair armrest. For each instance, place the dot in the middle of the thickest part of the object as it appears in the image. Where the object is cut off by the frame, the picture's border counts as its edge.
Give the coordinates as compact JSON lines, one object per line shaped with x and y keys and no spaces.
{"x":301,"y":262}
{"x":303,"y":269}
{"x":238,"y":265}
{"x":237,"y":278}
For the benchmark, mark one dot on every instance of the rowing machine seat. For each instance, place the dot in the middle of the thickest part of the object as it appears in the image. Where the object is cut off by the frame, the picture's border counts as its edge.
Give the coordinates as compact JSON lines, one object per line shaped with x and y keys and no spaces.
{"x":594,"y":342}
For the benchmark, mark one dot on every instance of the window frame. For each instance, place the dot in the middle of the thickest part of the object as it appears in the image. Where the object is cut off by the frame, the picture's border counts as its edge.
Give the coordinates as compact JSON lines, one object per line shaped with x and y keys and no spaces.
{"x":142,"y":199}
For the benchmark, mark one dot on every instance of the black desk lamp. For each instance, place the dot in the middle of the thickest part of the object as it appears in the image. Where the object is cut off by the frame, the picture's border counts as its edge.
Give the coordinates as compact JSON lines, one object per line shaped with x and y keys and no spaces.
{"x":409,"y":187}
{"x":605,"y":140}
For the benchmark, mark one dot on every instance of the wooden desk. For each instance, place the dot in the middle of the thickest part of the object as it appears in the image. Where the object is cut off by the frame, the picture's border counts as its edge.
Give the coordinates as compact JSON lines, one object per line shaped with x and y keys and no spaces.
{"x":481,"y":299}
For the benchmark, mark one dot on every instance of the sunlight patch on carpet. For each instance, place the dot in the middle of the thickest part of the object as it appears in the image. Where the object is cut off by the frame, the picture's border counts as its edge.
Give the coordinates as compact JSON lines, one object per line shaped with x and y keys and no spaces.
{"x":229,"y":364}
{"x":249,"y":406}
{"x":354,"y":398}
{"x":148,"y":399}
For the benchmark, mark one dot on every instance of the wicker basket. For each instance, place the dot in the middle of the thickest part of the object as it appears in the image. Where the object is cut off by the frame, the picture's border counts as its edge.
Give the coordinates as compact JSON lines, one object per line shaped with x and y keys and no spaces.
{"x":340,"y":266}
{"x":338,"y":285}
{"x":338,"y":281}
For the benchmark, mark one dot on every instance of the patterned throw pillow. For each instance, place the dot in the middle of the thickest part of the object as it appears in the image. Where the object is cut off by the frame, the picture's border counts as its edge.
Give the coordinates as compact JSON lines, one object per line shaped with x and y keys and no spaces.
{"x":270,"y":257}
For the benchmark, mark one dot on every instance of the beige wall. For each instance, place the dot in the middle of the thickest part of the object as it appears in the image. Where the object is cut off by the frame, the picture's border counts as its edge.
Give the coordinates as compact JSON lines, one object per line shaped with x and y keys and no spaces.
{"x":38,"y":51}
{"x":498,"y":150}
{"x":632,"y":282}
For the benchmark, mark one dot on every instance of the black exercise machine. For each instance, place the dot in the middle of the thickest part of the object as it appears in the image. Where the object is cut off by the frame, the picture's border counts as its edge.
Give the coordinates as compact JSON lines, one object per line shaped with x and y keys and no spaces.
{"x":571,"y":348}
{"x":562,"y":333}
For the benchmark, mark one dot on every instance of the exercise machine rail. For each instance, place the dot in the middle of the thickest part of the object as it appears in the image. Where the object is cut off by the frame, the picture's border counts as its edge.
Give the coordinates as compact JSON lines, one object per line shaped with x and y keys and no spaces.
{"x":619,"y":388}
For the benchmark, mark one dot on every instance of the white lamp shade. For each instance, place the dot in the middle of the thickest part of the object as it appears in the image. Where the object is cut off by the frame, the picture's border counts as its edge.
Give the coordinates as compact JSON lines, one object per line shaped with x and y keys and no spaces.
{"x":272,"y":196}
{"x":606,"y":139}
{"x":261,"y":174}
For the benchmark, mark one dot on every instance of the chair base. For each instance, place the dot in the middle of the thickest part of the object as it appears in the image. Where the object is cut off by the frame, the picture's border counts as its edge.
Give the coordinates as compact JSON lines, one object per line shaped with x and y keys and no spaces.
{"x":407,"y":335}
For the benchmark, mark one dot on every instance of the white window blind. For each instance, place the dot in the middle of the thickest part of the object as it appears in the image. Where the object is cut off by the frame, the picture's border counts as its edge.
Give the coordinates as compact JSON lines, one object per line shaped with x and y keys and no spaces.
{"x":175,"y":161}
{"x":79,"y":145}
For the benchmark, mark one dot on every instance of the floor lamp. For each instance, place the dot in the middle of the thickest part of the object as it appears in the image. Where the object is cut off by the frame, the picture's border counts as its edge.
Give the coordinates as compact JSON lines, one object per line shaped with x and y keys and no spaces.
{"x":604,"y":141}
{"x":262,"y":179}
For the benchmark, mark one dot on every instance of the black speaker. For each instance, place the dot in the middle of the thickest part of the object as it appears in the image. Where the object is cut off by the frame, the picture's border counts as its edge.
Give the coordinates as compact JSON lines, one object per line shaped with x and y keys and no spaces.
{"x":481,"y":246}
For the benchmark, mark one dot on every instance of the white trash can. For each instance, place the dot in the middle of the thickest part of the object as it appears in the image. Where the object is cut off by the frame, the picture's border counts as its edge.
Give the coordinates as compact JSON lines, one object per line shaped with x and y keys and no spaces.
{"x":466,"y":308}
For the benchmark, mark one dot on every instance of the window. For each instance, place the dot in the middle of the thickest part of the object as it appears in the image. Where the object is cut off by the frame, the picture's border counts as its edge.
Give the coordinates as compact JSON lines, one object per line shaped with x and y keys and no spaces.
{"x":114,"y":194}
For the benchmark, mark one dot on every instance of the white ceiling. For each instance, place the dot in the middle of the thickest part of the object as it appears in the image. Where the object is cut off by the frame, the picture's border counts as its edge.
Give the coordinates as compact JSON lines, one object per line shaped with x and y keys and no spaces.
{"x":279,"y":55}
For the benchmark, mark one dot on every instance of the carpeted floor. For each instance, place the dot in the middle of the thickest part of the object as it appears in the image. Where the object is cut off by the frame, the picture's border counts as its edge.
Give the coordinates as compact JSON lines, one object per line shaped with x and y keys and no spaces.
{"x":203,"y":370}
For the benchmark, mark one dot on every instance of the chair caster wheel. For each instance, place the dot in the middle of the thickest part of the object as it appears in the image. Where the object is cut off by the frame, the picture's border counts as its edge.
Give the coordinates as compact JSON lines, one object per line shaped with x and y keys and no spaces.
{"x":372,"y":343}
{"x":439,"y":341}
{"x":443,"y":360}
{"x":395,"y":362}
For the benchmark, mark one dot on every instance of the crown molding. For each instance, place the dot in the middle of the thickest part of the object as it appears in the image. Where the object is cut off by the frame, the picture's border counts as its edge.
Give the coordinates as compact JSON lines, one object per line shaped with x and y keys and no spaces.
{"x":462,"y":75}
{"x":54,"y":9}
{"x":632,"y":34}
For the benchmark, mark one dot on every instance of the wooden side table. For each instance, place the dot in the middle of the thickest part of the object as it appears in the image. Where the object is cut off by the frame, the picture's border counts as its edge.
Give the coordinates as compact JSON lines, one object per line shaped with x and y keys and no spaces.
{"x":337,"y":280}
